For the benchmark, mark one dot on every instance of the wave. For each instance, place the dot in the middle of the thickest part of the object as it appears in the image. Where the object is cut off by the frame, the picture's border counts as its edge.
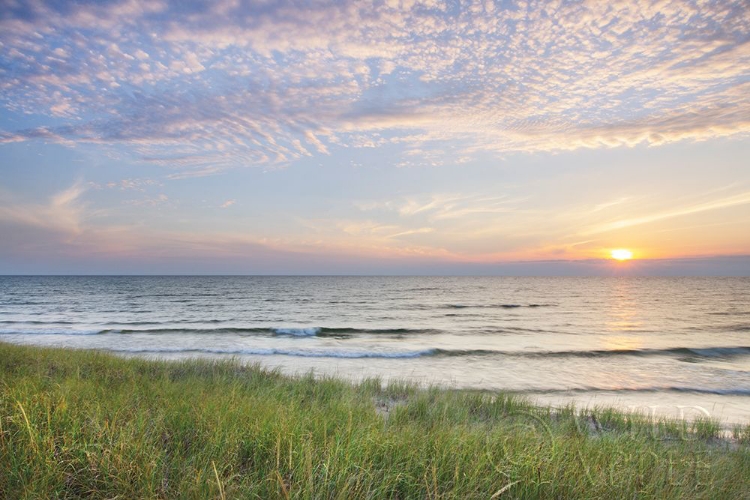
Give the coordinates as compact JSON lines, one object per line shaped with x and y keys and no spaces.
{"x":667,"y":388}
{"x":377,"y":331}
{"x":283,"y":352}
{"x":691,"y":352}
{"x":50,"y":332}
{"x":297,"y":332}
{"x":681,"y":352}
{"x":495,"y":306}
{"x":261,"y":331}
{"x":700,"y":352}
{"x":33,"y":322}
{"x":713,"y":352}
{"x":293,"y":332}
{"x":143,"y":323}
{"x":174,"y":330}
{"x":740,"y":327}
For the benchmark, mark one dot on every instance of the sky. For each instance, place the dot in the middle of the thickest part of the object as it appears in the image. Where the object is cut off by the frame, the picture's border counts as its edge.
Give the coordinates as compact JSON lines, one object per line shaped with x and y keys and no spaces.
{"x":389,"y":137}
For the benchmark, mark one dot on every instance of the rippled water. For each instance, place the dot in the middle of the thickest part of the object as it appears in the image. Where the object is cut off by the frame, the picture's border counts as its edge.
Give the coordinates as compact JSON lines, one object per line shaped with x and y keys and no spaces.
{"x":640,"y":342}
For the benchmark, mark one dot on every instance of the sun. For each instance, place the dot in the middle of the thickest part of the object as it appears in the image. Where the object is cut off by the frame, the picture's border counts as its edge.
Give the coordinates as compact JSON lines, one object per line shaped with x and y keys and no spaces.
{"x":621,"y":254}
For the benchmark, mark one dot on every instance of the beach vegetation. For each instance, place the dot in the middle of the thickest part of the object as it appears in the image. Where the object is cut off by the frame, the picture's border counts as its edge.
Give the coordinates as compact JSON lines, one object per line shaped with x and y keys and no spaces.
{"x":86,"y":424}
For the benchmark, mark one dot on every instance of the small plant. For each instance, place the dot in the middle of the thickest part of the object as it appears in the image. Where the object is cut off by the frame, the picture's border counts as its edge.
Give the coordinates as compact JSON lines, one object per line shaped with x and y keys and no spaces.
{"x":86,"y":424}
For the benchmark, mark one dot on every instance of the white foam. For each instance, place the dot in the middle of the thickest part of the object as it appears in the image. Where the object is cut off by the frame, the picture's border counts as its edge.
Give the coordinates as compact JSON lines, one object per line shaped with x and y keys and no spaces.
{"x":50,"y":332}
{"x":297,"y":332}
{"x":287,"y":352}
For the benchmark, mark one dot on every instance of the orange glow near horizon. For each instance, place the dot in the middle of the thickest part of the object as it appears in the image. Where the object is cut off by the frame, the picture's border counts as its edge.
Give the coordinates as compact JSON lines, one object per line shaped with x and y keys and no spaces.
{"x":621,"y":254}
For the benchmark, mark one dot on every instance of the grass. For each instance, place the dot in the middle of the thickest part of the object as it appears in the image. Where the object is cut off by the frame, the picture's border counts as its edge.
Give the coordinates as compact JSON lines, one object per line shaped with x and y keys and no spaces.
{"x":87,"y":424}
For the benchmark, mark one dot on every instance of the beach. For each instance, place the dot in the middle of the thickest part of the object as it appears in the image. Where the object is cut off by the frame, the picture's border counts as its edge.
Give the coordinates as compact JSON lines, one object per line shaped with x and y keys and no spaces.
{"x":385,"y":387}
{"x":89,"y":424}
{"x":668,"y":346}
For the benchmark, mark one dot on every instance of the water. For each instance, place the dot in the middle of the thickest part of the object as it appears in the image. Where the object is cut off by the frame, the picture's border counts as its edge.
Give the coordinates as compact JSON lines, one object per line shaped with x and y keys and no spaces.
{"x":679,"y":345}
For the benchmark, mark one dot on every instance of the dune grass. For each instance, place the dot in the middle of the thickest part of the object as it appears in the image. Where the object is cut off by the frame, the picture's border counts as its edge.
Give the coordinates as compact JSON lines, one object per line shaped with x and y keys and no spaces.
{"x":87,"y":424}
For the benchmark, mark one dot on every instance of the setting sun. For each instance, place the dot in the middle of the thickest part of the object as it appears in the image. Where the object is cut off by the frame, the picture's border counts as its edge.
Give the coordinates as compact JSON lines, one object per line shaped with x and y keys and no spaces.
{"x":622,"y":254}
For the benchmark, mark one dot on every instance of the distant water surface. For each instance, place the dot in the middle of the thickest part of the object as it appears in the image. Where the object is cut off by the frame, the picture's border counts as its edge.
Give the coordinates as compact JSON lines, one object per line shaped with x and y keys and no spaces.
{"x":654,"y":344}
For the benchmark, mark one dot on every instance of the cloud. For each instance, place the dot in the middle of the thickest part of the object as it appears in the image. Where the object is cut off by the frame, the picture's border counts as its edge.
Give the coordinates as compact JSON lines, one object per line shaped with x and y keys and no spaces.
{"x":728,"y":201}
{"x":128,"y":184}
{"x":150,"y":201}
{"x":63,"y":213}
{"x":457,"y":206}
{"x":203,"y":87}
{"x":316,"y":142}
{"x":228,"y":203}
{"x":421,"y":230}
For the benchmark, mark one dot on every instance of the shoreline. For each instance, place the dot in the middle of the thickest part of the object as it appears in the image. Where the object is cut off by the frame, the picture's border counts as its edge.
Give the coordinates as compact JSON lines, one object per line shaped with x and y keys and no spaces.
{"x":664,"y":404}
{"x":658,"y":404}
{"x":78,"y":422}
